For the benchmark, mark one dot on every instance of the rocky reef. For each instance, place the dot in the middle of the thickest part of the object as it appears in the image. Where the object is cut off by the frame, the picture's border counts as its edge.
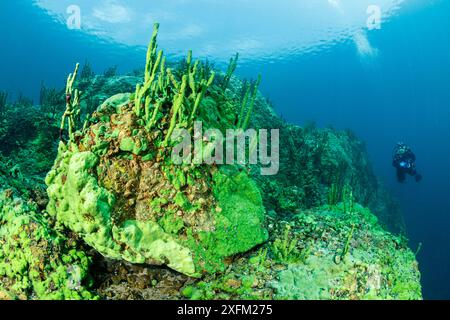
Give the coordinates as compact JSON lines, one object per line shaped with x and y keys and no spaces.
{"x":121,"y":220}
{"x":329,"y":252}
{"x":37,"y":261}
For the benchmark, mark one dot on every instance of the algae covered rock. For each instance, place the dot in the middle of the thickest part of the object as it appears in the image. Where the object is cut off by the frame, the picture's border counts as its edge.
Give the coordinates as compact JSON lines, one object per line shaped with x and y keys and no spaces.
{"x":344,"y":254}
{"x":37,"y":262}
{"x":327,"y":253}
{"x":115,"y":184}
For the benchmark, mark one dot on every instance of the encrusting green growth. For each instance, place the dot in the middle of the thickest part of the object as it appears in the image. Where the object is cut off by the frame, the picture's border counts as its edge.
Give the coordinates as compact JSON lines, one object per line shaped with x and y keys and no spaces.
{"x":114,"y":183}
{"x":35,"y":261}
{"x":350,"y":257}
{"x":80,"y":193}
{"x":299,"y":262}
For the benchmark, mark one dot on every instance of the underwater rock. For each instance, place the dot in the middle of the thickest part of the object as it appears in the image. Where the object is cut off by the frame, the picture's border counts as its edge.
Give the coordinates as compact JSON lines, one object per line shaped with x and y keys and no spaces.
{"x":120,"y":280}
{"x":115,"y":185}
{"x":37,"y":262}
{"x":327,"y":253}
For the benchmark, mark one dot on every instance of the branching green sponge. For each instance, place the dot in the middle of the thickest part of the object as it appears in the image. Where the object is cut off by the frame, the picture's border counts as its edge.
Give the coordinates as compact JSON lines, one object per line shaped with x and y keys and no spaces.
{"x":35,"y":261}
{"x":116,"y":186}
{"x":72,"y":104}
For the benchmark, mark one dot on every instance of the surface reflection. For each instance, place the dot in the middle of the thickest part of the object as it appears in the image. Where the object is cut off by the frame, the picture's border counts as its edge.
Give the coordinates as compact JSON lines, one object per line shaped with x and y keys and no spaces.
{"x":257,"y":29}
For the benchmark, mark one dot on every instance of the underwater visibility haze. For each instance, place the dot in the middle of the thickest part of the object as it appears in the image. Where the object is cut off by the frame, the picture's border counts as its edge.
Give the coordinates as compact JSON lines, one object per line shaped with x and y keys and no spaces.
{"x":96,"y":98}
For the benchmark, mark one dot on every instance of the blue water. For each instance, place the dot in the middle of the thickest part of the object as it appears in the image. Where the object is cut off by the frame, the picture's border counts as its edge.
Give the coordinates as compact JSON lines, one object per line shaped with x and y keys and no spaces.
{"x":319,"y":63}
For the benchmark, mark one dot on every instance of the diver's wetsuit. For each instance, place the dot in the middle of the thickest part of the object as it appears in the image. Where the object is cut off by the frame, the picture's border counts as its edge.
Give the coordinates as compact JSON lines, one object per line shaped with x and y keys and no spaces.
{"x":404,"y":160}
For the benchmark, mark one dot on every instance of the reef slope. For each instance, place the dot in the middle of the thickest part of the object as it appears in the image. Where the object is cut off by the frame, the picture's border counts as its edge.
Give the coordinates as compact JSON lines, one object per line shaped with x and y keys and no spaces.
{"x":122,"y":221}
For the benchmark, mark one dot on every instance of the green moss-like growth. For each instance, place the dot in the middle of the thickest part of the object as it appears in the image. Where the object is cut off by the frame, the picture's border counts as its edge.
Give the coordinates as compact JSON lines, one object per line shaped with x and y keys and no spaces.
{"x":35,"y":261}
{"x":115,"y":185}
{"x":81,"y":204}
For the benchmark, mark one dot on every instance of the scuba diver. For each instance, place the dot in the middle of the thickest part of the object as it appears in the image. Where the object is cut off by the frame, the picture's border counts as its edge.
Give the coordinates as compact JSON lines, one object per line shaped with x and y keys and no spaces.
{"x":404,"y":160}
